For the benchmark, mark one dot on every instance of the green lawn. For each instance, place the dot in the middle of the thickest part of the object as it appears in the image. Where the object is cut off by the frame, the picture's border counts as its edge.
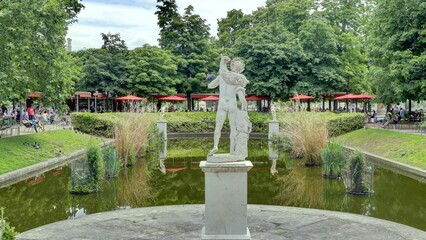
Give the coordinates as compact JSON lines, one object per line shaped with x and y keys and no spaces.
{"x":402,"y":147}
{"x":18,"y":151}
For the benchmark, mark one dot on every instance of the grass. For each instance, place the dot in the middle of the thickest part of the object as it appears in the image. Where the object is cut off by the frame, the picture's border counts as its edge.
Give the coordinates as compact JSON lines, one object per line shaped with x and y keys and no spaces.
{"x":402,"y":147}
{"x":17,"y":152}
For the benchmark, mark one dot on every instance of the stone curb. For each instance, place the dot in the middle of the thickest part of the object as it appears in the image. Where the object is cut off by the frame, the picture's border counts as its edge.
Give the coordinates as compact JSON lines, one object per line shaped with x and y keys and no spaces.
{"x":29,"y":171}
{"x":253,"y":135}
{"x":404,"y":169}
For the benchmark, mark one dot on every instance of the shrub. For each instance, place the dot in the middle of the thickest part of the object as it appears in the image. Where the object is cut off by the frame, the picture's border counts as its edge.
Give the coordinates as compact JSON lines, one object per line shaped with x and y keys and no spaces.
{"x":131,"y":138}
{"x":6,"y":231}
{"x":305,"y":134}
{"x":344,"y":123}
{"x":358,"y":179}
{"x":333,"y":156}
{"x":93,"y":124}
{"x":112,"y":165}
{"x":88,"y":179}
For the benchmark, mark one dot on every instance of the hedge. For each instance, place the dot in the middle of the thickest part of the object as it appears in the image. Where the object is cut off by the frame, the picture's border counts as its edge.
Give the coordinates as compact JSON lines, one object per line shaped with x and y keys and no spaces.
{"x":93,"y":124}
{"x":344,"y":123}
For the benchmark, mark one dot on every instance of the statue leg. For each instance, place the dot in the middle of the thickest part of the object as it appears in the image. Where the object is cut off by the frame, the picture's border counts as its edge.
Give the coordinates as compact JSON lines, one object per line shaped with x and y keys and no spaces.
{"x":220,"y":119}
{"x":233,"y":135}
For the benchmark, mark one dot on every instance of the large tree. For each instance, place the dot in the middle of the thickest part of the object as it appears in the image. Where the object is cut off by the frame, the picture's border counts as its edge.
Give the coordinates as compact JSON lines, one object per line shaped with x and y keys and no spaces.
{"x":398,"y":50}
{"x":231,"y":27}
{"x":187,"y":37}
{"x":32,"y":37}
{"x":152,"y":70}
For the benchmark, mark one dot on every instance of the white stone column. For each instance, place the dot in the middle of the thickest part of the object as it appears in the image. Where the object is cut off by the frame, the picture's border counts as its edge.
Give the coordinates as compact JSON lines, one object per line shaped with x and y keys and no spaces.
{"x":226,"y":200}
{"x":162,"y":127}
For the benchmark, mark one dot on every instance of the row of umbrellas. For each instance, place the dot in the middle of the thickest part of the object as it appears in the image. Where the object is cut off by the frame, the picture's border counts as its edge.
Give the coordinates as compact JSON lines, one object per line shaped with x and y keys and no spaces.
{"x":178,"y":98}
{"x":344,"y":97}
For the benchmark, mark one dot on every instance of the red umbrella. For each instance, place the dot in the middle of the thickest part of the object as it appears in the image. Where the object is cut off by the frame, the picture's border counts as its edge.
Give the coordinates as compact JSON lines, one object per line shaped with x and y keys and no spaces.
{"x":130,"y":97}
{"x":348,"y":97}
{"x":35,"y":95}
{"x":256,"y":98}
{"x":172,"y":98}
{"x":364,"y":96}
{"x":210,"y":98}
{"x":301,"y":97}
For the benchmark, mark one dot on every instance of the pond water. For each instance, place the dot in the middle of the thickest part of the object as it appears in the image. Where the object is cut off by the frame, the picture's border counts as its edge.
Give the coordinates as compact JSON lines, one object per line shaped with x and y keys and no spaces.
{"x":40,"y":201}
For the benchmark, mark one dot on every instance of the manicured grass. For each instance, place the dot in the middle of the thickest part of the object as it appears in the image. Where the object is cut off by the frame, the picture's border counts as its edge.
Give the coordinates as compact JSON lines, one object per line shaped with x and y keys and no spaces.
{"x":402,"y":147}
{"x":18,"y":151}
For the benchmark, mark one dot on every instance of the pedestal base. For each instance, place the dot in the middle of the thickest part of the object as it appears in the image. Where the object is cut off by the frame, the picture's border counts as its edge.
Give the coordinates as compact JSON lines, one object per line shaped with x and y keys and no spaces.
{"x":226,"y":200}
{"x":208,"y":237}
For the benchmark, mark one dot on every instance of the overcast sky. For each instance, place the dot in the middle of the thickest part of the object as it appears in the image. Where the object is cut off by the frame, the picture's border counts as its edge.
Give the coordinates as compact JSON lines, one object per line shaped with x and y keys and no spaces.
{"x":136,"y":21}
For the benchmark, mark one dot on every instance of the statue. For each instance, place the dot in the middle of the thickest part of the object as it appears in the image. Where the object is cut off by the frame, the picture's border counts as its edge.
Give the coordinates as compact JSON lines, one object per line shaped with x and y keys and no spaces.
{"x":232,"y":84}
{"x":162,"y":111}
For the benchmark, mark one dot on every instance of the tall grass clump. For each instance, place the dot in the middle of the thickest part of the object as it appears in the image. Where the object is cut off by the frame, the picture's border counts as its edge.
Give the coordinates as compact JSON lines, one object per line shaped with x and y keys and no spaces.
{"x":305,"y":135}
{"x":112,"y":164}
{"x":334,"y":160}
{"x":135,"y":189}
{"x":131,"y":138}
{"x":358,"y":178}
{"x":88,"y":180}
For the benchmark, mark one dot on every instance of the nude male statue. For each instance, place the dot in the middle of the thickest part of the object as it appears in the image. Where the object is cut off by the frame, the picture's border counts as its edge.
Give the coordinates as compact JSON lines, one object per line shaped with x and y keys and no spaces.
{"x":231,"y":83}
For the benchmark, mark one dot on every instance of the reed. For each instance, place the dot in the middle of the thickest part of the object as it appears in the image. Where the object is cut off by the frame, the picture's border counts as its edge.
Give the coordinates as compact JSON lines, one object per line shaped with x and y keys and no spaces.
{"x":305,"y":135}
{"x":131,"y":138}
{"x":112,"y":164}
{"x":333,"y":156}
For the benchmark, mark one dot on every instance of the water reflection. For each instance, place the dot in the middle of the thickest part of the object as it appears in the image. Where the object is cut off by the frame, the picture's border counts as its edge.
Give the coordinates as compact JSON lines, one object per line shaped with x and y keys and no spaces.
{"x":397,"y":198}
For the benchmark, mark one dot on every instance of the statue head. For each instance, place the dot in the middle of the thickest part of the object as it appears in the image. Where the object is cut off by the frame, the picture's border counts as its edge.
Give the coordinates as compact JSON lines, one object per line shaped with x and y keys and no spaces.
{"x":237,"y":65}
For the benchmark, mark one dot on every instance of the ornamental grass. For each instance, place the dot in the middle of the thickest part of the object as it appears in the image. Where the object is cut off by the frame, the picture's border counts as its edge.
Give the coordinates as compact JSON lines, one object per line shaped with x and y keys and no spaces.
{"x":131,"y":138}
{"x":305,"y":135}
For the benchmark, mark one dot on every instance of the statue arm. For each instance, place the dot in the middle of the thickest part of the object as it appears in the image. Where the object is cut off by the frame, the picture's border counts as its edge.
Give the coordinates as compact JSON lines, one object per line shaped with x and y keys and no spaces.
{"x":241,"y":96}
{"x":214,"y":83}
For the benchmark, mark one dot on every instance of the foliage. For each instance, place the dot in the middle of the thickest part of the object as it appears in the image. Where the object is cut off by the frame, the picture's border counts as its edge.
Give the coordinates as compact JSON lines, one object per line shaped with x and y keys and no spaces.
{"x":105,"y":69}
{"x":95,"y":160}
{"x":8,"y":231}
{"x":94,"y":124}
{"x":112,"y":165}
{"x":397,"y":48}
{"x":345,"y":123}
{"x":401,"y":147}
{"x":334,"y":159}
{"x":306,"y":135}
{"x":131,"y":138}
{"x":17,"y":152}
{"x":359,"y":177}
{"x":32,"y":49}
{"x":152,"y":70}
{"x":230,"y":28}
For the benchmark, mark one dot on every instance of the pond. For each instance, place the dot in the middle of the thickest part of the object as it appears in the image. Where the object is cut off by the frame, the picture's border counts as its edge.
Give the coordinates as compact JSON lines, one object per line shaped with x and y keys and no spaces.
{"x":44,"y":200}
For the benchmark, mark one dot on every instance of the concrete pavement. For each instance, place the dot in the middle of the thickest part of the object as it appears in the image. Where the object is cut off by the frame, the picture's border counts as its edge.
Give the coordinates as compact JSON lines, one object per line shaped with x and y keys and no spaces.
{"x":186,"y":221}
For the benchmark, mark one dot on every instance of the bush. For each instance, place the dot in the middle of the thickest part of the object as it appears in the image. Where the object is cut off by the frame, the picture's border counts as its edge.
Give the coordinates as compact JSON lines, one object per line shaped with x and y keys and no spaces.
{"x":93,"y":124}
{"x":112,"y":165}
{"x":344,"y":123}
{"x":6,"y":231}
{"x":358,"y":179}
{"x":88,"y":181}
{"x":333,"y":156}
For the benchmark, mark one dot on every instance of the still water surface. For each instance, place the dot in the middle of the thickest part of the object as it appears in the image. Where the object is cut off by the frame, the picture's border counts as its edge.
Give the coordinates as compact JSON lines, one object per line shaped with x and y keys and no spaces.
{"x":30,"y":204}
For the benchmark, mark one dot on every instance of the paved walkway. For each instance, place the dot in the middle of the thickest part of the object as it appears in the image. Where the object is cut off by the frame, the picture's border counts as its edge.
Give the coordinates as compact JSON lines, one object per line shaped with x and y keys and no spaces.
{"x":186,"y":221}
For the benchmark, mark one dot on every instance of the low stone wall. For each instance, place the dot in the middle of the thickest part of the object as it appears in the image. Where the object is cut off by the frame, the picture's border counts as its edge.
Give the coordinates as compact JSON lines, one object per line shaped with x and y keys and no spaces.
{"x":401,"y":168}
{"x":253,"y":135}
{"x":27,"y":172}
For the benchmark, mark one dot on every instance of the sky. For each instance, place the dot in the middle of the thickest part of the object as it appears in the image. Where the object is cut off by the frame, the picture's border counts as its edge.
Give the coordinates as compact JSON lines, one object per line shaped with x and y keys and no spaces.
{"x":136,"y":21}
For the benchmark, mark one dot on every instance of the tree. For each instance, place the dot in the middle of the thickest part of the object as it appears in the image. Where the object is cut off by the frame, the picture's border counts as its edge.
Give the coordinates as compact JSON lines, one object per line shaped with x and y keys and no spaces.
{"x":32,"y":50}
{"x":398,"y":50}
{"x":230,"y":28}
{"x":105,"y":69}
{"x":187,"y":37}
{"x":152,"y":70}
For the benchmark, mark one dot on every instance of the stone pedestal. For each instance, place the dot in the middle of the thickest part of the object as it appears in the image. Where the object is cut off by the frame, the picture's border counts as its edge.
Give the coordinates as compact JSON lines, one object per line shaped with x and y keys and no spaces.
{"x":226,"y":200}
{"x":162,"y":127}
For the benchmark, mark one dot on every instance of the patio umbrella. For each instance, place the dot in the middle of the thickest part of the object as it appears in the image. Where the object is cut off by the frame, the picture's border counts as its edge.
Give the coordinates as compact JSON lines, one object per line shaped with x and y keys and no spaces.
{"x":35,"y":95}
{"x":256,"y":98}
{"x":364,"y":96}
{"x":301,"y":97}
{"x":347,"y":97}
{"x":210,"y":98}
{"x":173,"y":99}
{"x":130,"y":97}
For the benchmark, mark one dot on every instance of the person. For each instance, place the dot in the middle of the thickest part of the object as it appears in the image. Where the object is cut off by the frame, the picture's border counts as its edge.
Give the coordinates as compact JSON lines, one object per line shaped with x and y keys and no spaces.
{"x":31,"y":112}
{"x":230,"y":85}
{"x":92,"y":108}
{"x":388,"y":119}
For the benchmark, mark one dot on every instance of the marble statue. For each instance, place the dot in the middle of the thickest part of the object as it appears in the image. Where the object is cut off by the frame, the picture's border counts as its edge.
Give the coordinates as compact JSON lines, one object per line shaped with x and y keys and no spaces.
{"x":232,"y":84}
{"x":162,"y":111}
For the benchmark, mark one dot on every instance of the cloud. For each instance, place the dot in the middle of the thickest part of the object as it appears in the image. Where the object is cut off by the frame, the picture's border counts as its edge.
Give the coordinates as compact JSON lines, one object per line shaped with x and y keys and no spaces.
{"x":136,"y":21}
